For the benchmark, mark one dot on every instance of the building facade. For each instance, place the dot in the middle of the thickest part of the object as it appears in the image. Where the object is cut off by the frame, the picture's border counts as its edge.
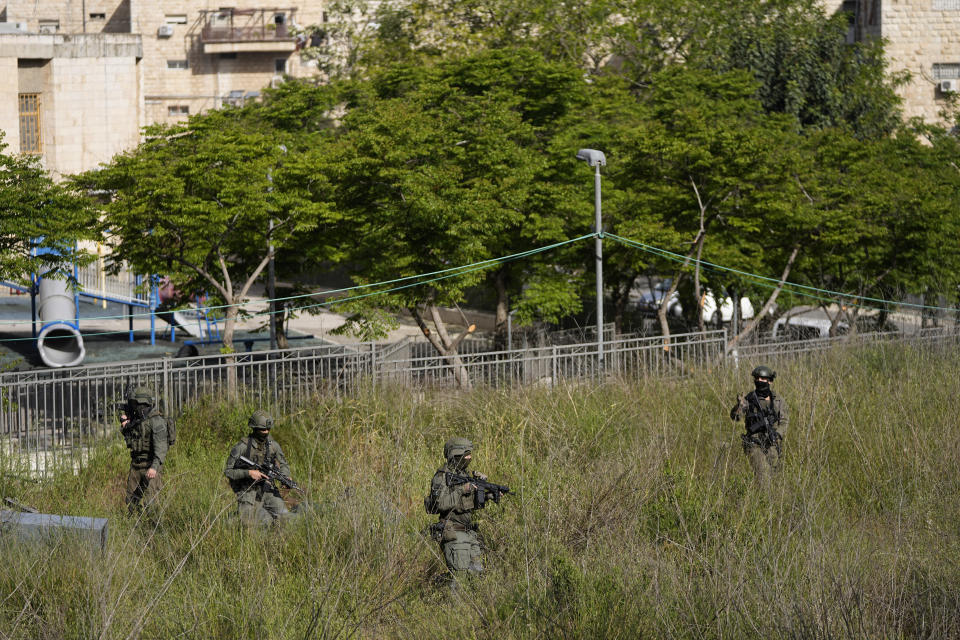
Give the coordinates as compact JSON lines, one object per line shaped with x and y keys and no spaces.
{"x":922,"y":37}
{"x":80,"y":78}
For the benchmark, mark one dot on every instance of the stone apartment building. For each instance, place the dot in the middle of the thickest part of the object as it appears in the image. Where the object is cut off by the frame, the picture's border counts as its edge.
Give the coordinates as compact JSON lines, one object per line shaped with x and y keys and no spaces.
{"x":80,"y":78}
{"x":922,"y":37}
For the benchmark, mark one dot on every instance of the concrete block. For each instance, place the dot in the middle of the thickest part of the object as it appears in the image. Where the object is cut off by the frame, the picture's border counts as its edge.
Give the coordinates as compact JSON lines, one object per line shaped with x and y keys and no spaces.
{"x":44,"y":527}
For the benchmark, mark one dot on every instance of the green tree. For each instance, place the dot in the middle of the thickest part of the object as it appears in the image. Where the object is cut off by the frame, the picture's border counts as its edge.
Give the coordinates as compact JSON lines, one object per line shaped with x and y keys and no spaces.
{"x":442,"y":167}
{"x":707,"y":160}
{"x":41,"y":221}
{"x":195,"y":203}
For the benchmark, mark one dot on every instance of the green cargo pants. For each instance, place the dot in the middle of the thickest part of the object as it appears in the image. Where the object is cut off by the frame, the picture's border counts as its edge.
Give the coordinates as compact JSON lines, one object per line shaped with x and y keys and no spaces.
{"x":261,"y":510}
{"x":765,"y":462}
{"x":141,"y":490}
{"x":461,"y":551}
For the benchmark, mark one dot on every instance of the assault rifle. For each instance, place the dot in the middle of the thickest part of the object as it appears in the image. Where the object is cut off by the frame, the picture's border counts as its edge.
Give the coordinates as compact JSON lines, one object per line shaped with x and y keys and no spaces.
{"x":769,"y":428}
{"x":272,"y":473}
{"x":484,"y":488}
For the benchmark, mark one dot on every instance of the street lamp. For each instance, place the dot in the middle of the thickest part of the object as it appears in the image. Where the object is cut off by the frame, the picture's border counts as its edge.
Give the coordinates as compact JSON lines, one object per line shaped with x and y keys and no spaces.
{"x":596,"y":159}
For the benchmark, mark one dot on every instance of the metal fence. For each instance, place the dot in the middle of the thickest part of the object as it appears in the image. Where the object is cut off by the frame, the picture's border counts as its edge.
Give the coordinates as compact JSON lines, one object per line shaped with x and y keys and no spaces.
{"x":50,"y":418}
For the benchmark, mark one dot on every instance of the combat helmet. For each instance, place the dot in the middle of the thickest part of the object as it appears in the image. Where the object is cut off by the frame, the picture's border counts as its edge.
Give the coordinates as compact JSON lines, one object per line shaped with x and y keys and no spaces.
{"x":457,"y":447}
{"x":764,"y":371}
{"x":260,"y":419}
{"x":142,"y":395}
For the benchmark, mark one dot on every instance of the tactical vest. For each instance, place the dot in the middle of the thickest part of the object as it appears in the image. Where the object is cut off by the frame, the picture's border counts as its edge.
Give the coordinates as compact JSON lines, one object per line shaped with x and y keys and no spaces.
{"x":758,"y":411}
{"x":266,"y":455}
{"x":138,"y":435}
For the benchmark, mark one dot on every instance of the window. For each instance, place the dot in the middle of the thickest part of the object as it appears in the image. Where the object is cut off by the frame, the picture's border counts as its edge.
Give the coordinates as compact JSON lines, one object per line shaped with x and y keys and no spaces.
{"x":280,"y":65}
{"x":177,"y":64}
{"x":178,"y":18}
{"x":946,"y":71}
{"x":49,"y":26}
{"x":98,"y":16}
{"x":229,"y":55}
{"x":30,"y":138}
{"x":946,"y":5}
{"x":178,"y":110}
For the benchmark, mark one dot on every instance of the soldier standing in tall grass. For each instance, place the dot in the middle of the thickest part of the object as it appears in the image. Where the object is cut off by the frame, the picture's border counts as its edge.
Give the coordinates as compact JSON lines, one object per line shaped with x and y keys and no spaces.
{"x":258,"y":499}
{"x":145,"y":431}
{"x":455,"y":503}
{"x":765,"y":416}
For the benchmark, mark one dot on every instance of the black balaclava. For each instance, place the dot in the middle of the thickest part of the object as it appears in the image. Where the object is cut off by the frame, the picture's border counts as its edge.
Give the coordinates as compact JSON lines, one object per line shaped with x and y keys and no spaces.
{"x":460,"y":463}
{"x":260,"y":434}
{"x":763,"y":388}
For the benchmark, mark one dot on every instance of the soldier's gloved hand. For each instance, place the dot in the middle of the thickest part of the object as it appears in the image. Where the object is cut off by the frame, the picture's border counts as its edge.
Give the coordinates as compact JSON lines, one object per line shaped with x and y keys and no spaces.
{"x":255,"y":475}
{"x":480,"y":476}
{"x":124,"y":420}
{"x":467,"y":488}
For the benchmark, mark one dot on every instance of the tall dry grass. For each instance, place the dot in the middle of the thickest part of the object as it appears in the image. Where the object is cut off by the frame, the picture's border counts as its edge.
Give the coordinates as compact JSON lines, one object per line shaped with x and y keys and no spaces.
{"x":635,"y":515}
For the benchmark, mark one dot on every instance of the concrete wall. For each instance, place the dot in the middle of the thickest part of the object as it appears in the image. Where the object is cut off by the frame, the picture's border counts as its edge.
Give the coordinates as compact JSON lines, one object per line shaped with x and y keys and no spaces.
{"x":89,"y":95}
{"x":919,"y":34}
{"x":209,"y":77}
{"x":9,"y":108}
{"x":74,"y":16}
{"x":95,"y":112}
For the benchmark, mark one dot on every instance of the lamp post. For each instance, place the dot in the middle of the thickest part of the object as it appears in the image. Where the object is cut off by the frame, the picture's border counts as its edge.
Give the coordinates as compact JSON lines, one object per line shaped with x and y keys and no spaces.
{"x":596,"y":159}
{"x":271,"y":271}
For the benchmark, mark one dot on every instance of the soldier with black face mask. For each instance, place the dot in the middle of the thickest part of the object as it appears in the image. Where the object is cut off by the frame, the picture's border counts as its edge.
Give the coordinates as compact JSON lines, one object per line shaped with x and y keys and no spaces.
{"x":765,"y":416}
{"x":454,"y":504}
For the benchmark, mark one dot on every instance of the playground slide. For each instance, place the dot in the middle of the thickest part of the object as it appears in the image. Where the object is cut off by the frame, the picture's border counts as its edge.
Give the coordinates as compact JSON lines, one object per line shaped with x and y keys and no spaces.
{"x":190,"y":322}
{"x":59,"y":341}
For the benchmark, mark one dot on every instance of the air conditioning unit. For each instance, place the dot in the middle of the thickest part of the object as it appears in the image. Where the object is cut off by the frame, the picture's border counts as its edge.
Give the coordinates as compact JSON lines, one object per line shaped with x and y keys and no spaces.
{"x":165,"y":31}
{"x":950,"y":86}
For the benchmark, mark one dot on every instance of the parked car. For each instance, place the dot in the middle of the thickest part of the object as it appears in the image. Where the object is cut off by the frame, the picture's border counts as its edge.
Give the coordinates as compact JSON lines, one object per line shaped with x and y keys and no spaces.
{"x":805,"y":323}
{"x":650,"y":301}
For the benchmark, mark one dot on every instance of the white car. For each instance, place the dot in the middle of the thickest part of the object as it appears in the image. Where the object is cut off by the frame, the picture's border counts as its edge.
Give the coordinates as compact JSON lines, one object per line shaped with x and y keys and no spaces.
{"x":651,"y":301}
{"x":805,"y":323}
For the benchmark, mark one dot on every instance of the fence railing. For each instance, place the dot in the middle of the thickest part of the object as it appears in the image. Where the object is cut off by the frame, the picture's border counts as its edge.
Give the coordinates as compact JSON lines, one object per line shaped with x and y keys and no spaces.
{"x":50,"y":418}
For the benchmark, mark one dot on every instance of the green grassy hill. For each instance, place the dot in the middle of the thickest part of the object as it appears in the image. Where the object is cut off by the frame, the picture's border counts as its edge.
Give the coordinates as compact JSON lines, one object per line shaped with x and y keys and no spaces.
{"x":636,"y":515}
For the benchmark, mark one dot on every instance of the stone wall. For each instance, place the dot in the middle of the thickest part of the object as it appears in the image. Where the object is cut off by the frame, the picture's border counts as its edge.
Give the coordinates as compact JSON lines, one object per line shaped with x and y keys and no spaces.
{"x":921,"y":34}
{"x":209,"y":77}
{"x":89,"y":95}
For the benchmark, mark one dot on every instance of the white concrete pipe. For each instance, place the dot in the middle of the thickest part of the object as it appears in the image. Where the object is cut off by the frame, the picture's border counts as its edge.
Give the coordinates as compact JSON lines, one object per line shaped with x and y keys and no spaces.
{"x":59,"y":341}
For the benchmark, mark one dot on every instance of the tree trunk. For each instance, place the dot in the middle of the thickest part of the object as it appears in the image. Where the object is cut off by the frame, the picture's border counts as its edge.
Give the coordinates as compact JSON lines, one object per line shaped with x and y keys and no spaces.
{"x":282,"y":320}
{"x":621,"y":297}
{"x":502,"y":310}
{"x":442,"y":342}
{"x":766,"y":305}
{"x":697,"y":293}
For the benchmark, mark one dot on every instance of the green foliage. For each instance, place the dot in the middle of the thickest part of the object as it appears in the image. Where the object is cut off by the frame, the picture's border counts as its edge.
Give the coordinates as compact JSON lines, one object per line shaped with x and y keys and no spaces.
{"x":201,"y":202}
{"x":38,"y":216}
{"x":635,"y":515}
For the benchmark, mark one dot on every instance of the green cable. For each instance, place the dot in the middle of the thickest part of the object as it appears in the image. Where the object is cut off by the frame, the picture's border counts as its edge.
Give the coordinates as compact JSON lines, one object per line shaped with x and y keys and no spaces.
{"x":679,"y":258}
{"x":482,"y":263}
{"x":449,"y":273}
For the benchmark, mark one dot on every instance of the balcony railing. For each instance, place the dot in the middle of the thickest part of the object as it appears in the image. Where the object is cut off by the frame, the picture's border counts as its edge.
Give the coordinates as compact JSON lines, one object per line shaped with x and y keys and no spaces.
{"x":246,"y":25}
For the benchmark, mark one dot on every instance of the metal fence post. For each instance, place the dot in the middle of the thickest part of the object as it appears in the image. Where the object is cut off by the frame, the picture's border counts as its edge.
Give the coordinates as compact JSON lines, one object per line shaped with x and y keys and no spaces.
{"x":166,"y":387}
{"x":553,"y":358}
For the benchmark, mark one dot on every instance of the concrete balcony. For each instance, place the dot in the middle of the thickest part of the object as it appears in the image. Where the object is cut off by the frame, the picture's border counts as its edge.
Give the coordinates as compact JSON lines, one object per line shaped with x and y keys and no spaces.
{"x":247,"y":30}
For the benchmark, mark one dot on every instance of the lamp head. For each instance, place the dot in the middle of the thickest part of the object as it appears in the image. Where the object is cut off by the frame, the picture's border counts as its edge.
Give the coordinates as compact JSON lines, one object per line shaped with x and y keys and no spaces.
{"x":592,"y":157}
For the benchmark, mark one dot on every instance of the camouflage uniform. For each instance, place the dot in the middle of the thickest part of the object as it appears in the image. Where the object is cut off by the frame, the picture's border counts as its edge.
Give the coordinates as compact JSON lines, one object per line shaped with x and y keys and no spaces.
{"x":455,"y":505}
{"x":258,"y":502}
{"x":145,"y":433}
{"x":755,"y":409}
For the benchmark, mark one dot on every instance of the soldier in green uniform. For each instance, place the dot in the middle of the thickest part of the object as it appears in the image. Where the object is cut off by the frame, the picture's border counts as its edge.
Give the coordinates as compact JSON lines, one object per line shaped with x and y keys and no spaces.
{"x":455,"y":503}
{"x":258,"y":499}
{"x":145,"y":431}
{"x":765,"y":416}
